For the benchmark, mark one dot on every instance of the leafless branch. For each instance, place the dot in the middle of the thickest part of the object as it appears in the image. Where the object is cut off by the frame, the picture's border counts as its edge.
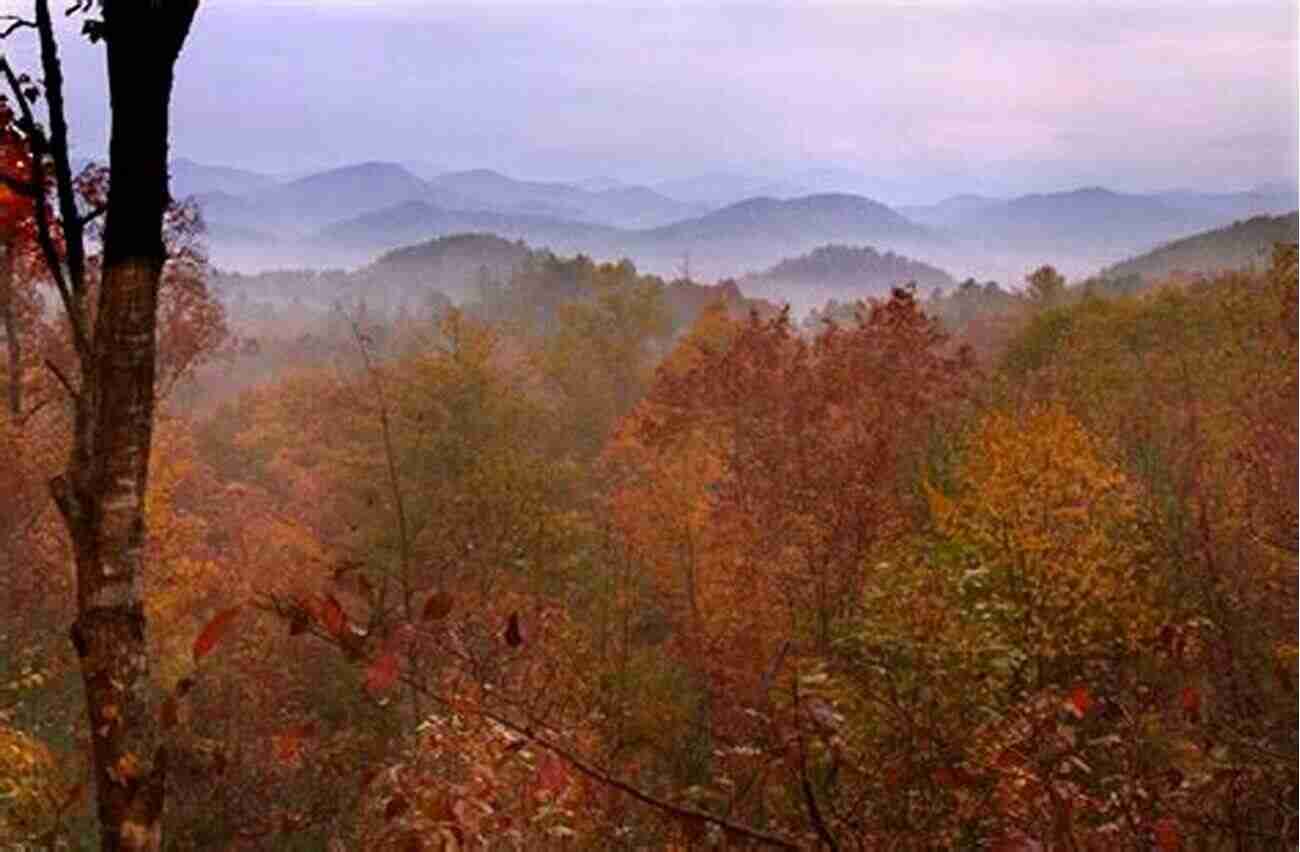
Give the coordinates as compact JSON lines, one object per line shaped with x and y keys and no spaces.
{"x":31,"y":412}
{"x":14,"y":23}
{"x":63,"y":185}
{"x":63,"y":380}
{"x":93,"y":214}
{"x":38,"y":145}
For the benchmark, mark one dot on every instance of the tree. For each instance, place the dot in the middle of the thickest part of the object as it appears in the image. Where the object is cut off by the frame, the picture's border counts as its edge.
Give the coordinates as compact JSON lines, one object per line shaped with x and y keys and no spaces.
{"x":1046,"y":286}
{"x":101,"y":493}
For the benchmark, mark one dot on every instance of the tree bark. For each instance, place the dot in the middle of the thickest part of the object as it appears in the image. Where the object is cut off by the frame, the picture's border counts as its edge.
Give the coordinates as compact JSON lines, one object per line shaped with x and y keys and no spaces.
{"x":8,"y":316}
{"x":101,"y":494}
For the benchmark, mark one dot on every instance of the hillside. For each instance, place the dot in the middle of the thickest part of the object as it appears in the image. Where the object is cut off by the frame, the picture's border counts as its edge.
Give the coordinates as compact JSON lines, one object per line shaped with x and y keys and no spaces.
{"x":623,"y":206}
{"x":753,"y":233}
{"x":762,"y":231}
{"x":949,"y":211}
{"x":842,"y":272}
{"x":417,"y":221}
{"x":1240,"y":245}
{"x":457,"y":265}
{"x":722,"y":188}
{"x":1096,"y":219}
{"x":1266,"y":200}
{"x":191,"y":178}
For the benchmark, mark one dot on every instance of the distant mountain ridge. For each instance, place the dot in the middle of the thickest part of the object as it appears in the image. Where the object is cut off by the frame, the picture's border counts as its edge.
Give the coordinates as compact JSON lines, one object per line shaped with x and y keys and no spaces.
{"x":345,"y":216}
{"x":191,"y":178}
{"x":622,"y":206}
{"x":717,"y":244}
{"x":842,"y":272}
{"x":1238,"y":246}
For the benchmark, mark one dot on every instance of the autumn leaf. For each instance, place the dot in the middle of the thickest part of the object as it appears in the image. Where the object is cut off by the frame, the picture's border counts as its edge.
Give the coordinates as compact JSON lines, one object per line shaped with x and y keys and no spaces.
{"x":213,"y":632}
{"x":126,"y":769}
{"x":551,"y":774}
{"x":514,"y":638}
{"x":329,"y":612}
{"x":298,"y":622}
{"x":169,"y":714}
{"x":1080,"y":701}
{"x":287,"y":745}
{"x":382,"y":673}
{"x":1191,"y":701}
{"x":1166,"y":835}
{"x":396,"y":807}
{"x":438,"y":606}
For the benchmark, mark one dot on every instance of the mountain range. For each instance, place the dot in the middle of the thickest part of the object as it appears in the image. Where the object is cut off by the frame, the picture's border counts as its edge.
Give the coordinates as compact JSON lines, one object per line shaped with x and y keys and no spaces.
{"x":348,"y":215}
{"x":1240,"y":245}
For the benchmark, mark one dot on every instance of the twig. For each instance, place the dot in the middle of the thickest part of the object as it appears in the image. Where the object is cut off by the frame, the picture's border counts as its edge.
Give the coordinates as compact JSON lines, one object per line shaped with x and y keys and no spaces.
{"x":15,"y":23}
{"x":805,"y":783}
{"x":93,"y":214}
{"x":682,"y":812}
{"x":63,"y":380}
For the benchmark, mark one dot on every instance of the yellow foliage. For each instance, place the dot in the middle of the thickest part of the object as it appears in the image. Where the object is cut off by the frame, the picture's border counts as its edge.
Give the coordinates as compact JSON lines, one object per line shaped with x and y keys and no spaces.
{"x":180,"y":575}
{"x":1052,"y":525}
{"x":29,"y":788}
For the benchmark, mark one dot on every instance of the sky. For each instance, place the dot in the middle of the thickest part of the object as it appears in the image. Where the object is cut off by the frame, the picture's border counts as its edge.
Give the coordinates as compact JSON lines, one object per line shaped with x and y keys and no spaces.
{"x":913,"y":101}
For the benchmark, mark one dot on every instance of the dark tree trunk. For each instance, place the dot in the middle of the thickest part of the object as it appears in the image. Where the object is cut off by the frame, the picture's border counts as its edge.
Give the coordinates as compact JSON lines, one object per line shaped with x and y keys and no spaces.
{"x":101,"y":495}
{"x":8,"y":316}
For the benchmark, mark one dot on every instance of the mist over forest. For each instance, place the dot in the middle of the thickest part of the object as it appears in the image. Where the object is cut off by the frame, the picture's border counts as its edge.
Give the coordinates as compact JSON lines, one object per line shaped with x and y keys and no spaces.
{"x":514,"y":426}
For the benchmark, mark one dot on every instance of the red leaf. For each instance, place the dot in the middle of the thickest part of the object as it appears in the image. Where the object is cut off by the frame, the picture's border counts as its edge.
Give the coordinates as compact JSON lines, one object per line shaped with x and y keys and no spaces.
{"x":382,"y":673}
{"x":513,"y":636}
{"x":1192,"y":703}
{"x":169,"y":713}
{"x":1079,"y":701}
{"x":297,"y":622}
{"x":213,"y":632}
{"x":437,"y":607}
{"x":551,"y":774}
{"x":396,"y":807}
{"x":1166,"y":835}
{"x":329,"y":612}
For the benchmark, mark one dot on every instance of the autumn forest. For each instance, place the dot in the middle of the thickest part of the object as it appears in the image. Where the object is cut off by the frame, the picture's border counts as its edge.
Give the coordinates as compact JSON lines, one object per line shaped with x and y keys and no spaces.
{"x":484,"y":544}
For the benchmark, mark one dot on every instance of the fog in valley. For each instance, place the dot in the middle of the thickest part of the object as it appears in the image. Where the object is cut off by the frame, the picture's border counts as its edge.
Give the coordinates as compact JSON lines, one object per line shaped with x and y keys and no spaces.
{"x":522,"y":425}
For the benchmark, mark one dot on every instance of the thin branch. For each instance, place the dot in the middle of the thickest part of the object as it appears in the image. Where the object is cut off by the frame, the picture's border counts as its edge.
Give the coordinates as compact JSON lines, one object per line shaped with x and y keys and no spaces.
{"x":285,"y":609}
{"x":93,"y":214}
{"x":805,"y":783}
{"x":390,"y":457}
{"x":63,"y":380}
{"x":15,"y":23}
{"x":53,"y":71}
{"x":37,"y":143}
{"x":598,"y":775}
{"x":31,"y":412}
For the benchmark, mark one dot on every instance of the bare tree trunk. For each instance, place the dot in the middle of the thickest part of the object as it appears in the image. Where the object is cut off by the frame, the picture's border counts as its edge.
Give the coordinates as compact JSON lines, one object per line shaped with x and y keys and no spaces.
{"x":101,"y":494}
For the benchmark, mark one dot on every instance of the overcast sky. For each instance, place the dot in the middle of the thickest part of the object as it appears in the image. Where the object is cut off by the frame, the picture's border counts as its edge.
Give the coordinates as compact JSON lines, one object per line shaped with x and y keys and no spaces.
{"x":924,"y":98}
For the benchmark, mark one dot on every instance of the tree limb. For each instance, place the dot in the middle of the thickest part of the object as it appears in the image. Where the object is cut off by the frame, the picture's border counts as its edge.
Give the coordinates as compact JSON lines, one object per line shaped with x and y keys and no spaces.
{"x":805,"y":783}
{"x":63,"y":380}
{"x":595,"y":773}
{"x":93,"y":214}
{"x":38,"y":145}
{"x":15,"y":23}
{"x":53,"y":71}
